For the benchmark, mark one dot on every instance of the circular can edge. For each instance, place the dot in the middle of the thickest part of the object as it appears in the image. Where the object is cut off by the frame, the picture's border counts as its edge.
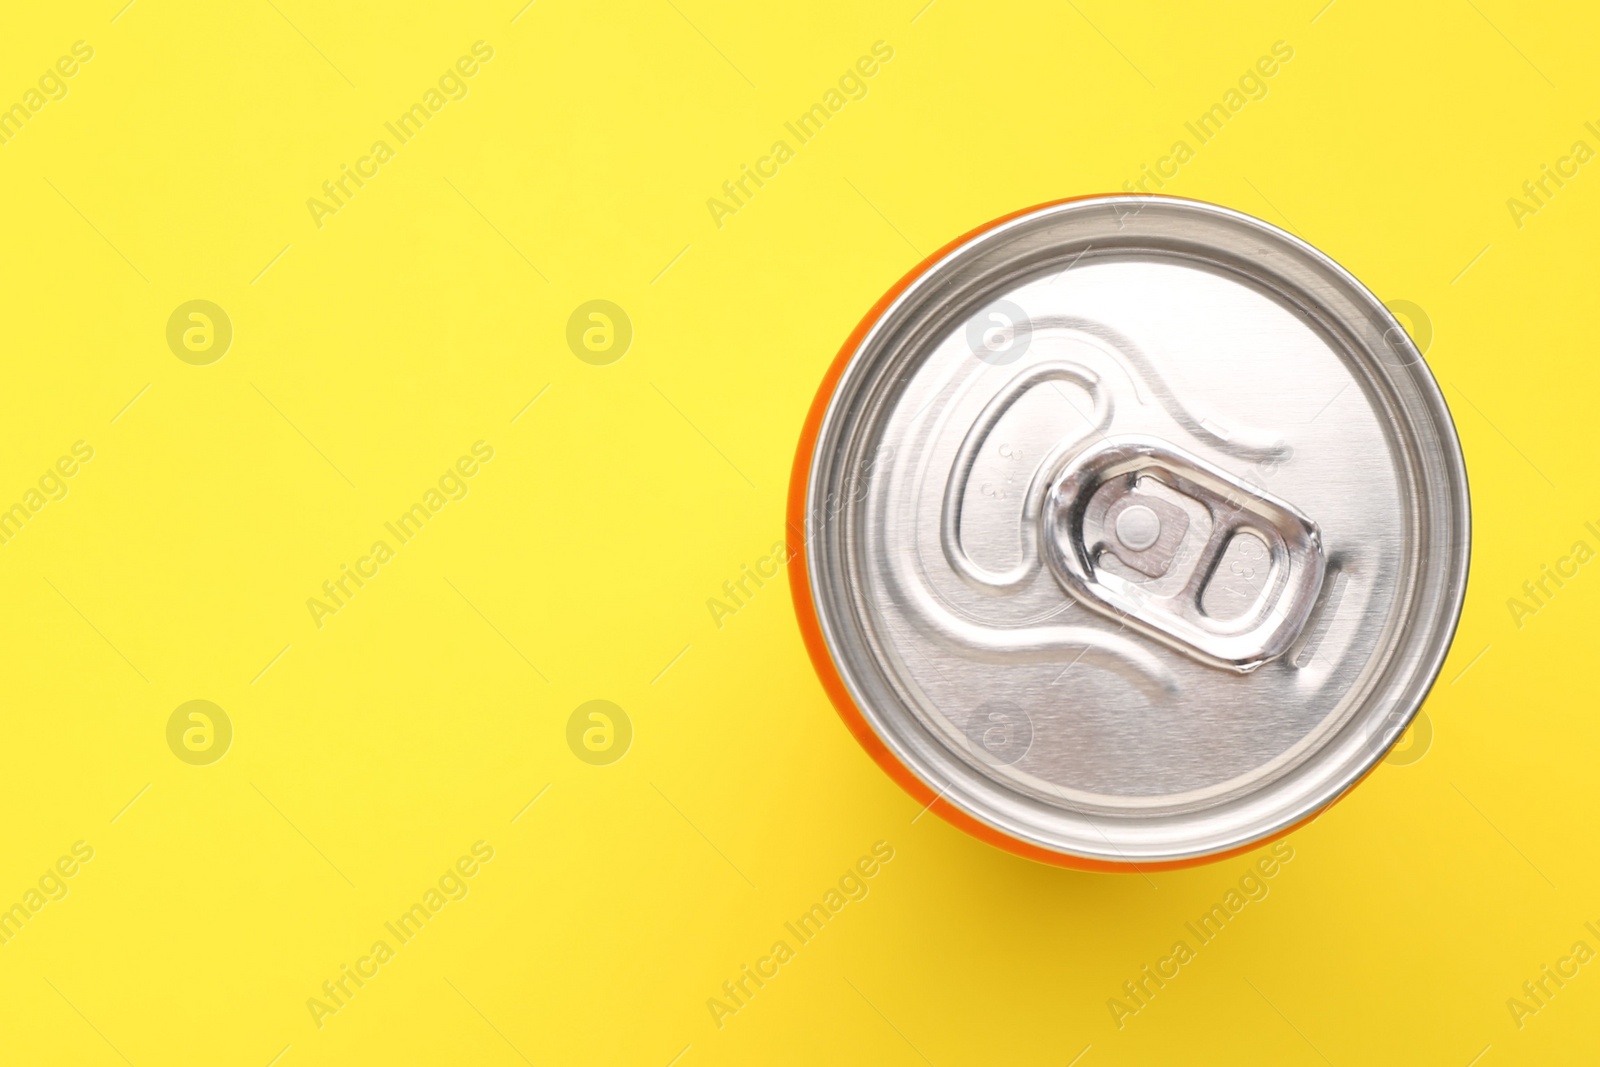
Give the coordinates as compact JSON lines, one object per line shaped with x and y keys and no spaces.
{"x":833,"y":683}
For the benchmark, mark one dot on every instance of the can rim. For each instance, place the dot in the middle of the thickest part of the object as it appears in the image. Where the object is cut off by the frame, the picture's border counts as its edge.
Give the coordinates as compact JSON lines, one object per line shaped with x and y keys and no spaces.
{"x":1421,"y":680}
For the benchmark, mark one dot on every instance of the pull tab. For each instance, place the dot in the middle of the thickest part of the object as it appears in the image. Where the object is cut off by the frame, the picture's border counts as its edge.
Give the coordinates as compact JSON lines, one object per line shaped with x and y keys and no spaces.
{"x":1183,"y":551}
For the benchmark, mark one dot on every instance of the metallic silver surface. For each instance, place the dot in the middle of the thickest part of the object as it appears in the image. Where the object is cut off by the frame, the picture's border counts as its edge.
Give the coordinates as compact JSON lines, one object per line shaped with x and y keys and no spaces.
{"x":1233,"y":580}
{"x":1138,"y":528}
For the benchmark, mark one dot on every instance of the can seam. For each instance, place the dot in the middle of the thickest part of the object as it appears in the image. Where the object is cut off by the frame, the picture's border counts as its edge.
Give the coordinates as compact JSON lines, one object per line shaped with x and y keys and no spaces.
{"x":838,"y":689}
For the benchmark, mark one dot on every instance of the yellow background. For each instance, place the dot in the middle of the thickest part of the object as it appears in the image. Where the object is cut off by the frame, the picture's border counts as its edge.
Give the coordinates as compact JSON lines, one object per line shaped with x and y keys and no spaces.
{"x":370,"y":353}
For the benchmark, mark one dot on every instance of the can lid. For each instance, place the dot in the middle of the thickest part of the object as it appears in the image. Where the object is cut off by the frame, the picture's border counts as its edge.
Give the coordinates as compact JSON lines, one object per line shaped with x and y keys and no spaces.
{"x":1136,"y":529}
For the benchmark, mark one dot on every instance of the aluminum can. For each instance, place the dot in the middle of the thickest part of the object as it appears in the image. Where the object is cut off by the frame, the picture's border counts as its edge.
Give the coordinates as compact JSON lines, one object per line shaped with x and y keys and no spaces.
{"x":1128,"y":532}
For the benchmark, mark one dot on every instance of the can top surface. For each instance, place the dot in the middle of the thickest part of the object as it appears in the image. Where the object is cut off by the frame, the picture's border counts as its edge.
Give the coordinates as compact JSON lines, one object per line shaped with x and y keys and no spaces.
{"x":1137,"y":529}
